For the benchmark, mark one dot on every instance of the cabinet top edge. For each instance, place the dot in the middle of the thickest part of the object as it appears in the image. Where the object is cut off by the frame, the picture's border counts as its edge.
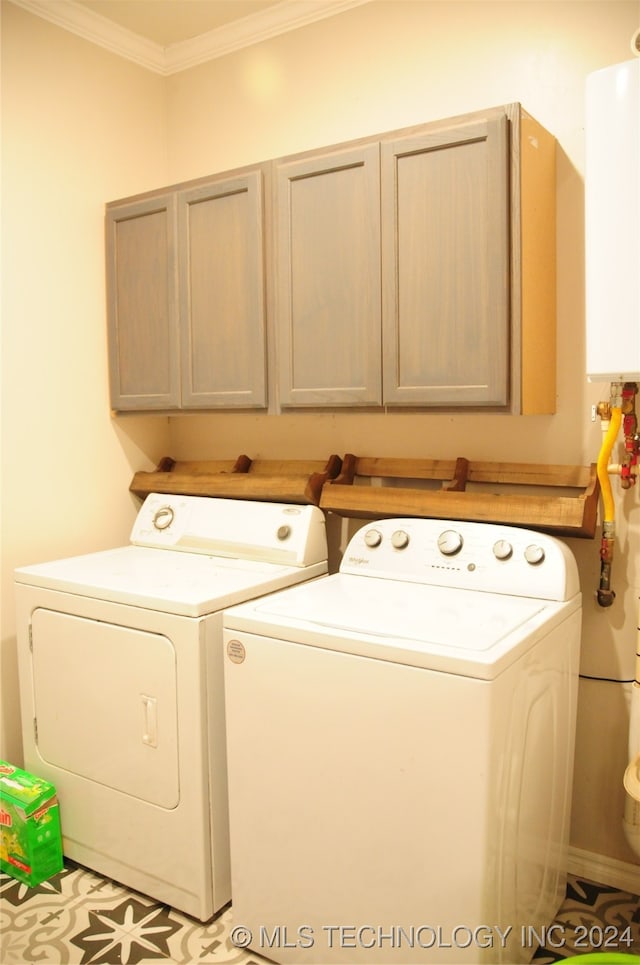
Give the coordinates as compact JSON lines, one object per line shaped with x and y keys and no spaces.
{"x":514,"y":111}
{"x":191,"y":183}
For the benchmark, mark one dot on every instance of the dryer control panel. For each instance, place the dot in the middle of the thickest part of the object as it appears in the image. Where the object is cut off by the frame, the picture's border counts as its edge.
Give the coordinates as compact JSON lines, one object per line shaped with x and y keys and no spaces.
{"x":474,"y":556}
{"x":243,"y":529}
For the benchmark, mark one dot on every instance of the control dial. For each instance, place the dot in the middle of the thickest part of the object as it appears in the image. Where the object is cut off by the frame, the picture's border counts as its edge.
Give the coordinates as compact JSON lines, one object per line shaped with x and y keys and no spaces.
{"x":163,"y":517}
{"x":372,"y":538}
{"x":284,"y":532}
{"x":534,"y":554}
{"x":450,"y":542}
{"x":400,"y":539}
{"x":502,"y":550}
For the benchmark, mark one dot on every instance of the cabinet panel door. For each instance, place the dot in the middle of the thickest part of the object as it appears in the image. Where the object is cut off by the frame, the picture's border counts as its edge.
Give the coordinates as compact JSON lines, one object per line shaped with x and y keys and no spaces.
{"x":445,"y":237}
{"x":222,"y":299}
{"x":328,"y":278}
{"x":142,"y":304}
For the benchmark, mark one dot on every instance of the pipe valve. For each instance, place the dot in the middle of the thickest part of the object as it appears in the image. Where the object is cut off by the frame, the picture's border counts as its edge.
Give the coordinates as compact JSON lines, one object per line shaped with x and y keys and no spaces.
{"x":619,"y":410}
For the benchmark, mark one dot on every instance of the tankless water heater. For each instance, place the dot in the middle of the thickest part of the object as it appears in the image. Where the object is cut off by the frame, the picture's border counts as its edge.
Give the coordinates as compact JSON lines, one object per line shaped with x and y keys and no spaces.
{"x":612,"y":223}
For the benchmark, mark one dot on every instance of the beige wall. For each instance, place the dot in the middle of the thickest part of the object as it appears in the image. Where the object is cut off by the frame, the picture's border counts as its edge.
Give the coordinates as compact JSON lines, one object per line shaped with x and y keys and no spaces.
{"x":79,"y":126}
{"x":82,"y":126}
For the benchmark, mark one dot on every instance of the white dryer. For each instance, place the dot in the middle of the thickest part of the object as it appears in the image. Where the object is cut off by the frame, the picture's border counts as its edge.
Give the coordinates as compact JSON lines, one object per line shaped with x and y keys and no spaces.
{"x":400,"y":740}
{"x":121,"y":684}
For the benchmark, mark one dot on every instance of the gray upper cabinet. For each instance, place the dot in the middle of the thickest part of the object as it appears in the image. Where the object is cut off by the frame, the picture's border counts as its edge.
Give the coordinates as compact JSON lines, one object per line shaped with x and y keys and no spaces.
{"x":327,"y":278}
{"x":414,"y":269}
{"x":222,"y":294}
{"x":418,"y":269}
{"x":142,"y":304}
{"x":469,"y":263}
{"x":445,"y":237}
{"x":187,"y":307}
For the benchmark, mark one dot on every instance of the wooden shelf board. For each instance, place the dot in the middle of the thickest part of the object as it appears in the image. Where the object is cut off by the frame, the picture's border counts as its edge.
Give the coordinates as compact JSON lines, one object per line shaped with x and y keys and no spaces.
{"x":553,"y":498}
{"x":564,"y":499}
{"x":287,"y":481}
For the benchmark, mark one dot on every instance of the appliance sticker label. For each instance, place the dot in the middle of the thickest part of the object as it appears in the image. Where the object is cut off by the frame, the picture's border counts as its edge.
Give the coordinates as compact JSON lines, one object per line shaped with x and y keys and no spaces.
{"x":236,"y":651}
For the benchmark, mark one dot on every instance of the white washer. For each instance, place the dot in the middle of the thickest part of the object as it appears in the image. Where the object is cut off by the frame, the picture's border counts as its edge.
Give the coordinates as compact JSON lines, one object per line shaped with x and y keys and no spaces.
{"x":121,"y":683}
{"x":400,"y":741}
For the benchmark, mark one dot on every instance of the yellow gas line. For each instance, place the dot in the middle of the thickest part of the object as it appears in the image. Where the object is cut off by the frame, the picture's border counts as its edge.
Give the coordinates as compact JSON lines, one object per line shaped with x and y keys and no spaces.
{"x":605,"y":594}
{"x":603,"y":464}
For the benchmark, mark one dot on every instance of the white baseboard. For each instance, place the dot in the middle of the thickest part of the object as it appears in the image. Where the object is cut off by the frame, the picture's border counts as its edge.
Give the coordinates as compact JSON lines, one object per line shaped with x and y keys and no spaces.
{"x":604,"y":871}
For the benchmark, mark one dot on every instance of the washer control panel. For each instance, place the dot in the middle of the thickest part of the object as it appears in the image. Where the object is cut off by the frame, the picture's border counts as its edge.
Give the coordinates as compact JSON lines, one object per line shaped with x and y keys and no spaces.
{"x":478,"y":556}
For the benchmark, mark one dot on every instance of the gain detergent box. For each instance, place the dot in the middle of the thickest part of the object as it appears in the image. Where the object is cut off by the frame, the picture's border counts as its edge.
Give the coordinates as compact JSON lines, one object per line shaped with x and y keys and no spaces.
{"x":30,"y":839}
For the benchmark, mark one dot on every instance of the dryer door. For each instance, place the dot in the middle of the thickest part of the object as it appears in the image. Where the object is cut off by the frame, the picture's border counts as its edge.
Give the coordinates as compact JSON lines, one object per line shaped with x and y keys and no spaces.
{"x":105,"y":703}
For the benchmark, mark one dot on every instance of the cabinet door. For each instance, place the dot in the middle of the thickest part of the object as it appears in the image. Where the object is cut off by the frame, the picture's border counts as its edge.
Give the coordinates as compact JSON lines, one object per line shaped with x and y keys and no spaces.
{"x":142,"y":304}
{"x":222,"y":298}
{"x":328,"y":278}
{"x":445,"y":237}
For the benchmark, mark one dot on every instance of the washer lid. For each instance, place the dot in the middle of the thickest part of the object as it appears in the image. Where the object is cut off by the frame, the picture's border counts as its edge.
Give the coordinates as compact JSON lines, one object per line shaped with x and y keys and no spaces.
{"x":456,"y":631}
{"x":189,"y":584}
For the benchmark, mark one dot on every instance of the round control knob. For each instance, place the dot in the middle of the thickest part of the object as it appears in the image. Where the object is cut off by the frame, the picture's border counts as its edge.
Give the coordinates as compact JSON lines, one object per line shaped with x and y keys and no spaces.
{"x":534,"y":554}
{"x":400,"y":539}
{"x":502,"y":550}
{"x":450,"y":542}
{"x":284,"y":532}
{"x":372,"y":538}
{"x":163,"y":517}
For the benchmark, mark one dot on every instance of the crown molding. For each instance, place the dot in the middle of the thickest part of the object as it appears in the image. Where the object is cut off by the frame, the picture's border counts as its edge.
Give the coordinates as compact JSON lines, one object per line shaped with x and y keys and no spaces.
{"x":99,"y":30}
{"x":279,"y":19}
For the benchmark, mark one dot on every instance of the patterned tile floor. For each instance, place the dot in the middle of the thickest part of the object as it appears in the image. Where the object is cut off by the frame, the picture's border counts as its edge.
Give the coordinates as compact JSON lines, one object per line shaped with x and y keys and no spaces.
{"x":79,"y":918}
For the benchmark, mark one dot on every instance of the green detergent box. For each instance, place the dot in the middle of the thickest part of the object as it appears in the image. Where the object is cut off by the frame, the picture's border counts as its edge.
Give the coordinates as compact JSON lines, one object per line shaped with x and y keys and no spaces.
{"x":30,"y":839}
